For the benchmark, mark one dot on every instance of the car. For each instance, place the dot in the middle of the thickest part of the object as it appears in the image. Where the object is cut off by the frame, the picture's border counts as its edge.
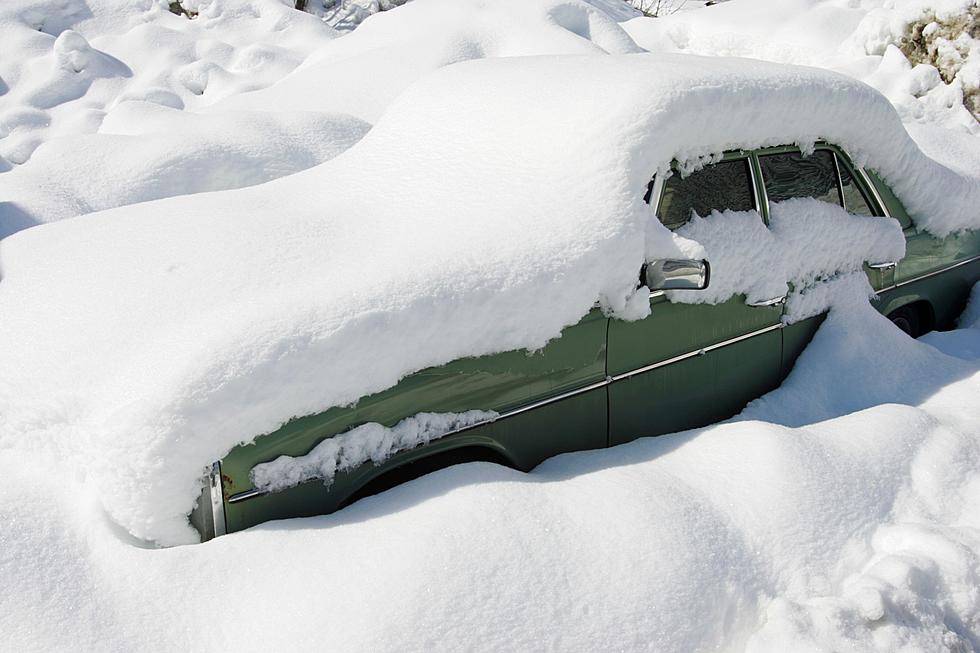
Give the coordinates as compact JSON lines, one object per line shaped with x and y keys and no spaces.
{"x":608,"y":381}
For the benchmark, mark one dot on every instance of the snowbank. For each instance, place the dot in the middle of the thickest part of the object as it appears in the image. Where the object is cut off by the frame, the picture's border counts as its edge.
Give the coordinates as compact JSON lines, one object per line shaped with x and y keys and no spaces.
{"x":370,"y":67}
{"x":856,"y":532}
{"x":73,"y":72}
{"x":858,"y":38}
{"x":179,"y":329}
{"x":146,"y":151}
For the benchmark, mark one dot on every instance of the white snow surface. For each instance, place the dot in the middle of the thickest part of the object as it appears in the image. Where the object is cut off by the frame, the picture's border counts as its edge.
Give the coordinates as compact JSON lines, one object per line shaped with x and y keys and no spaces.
{"x":491,"y":205}
{"x":856,"y":37}
{"x":371,"y":442}
{"x":845,"y":522}
{"x":189,"y":325}
{"x":76,"y":75}
{"x":807,"y":244}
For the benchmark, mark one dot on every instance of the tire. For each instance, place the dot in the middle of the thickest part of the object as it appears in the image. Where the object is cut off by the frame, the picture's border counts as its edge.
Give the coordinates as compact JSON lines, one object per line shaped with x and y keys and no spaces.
{"x":907,"y":319}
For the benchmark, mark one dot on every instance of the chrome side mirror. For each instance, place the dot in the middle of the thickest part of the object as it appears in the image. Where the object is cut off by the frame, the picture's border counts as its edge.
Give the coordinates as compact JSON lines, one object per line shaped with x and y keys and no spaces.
{"x":677,"y":274}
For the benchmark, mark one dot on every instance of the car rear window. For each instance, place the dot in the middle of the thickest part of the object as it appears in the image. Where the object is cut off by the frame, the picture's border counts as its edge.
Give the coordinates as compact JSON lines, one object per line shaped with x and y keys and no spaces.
{"x":724,"y":185}
{"x":791,"y":174}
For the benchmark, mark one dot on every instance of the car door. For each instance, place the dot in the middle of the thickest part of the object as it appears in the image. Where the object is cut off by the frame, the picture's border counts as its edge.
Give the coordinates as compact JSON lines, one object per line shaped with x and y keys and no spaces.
{"x":826,"y":175}
{"x":688,"y":365}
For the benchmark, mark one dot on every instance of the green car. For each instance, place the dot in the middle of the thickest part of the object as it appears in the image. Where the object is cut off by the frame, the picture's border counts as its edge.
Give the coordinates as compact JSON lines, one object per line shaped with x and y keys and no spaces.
{"x":608,"y":381}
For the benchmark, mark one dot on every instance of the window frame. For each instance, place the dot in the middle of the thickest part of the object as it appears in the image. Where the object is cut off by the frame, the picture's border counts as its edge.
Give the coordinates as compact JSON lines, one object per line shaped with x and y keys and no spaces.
{"x":657,"y":192}
{"x":861,"y":179}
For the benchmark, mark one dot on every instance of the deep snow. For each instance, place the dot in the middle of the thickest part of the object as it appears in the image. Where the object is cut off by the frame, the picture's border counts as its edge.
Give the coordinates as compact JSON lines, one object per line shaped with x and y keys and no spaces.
{"x":853,"y":531}
{"x":141,"y":343}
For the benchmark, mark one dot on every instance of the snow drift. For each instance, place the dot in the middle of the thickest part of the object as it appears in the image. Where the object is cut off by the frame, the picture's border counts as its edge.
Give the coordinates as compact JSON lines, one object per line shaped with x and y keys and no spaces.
{"x":853,"y":533}
{"x":178,"y":330}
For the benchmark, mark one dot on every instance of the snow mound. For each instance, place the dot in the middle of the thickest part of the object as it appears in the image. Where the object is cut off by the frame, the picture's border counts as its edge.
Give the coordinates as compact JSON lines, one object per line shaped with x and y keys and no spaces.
{"x":369,"y":68}
{"x":479,"y":215}
{"x":71,"y":68}
{"x":852,"y":533}
{"x":858,"y":38}
{"x":146,"y":151}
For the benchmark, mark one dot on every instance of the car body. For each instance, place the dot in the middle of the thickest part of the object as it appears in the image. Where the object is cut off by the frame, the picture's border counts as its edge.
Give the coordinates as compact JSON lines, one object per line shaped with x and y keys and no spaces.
{"x":607,"y":381}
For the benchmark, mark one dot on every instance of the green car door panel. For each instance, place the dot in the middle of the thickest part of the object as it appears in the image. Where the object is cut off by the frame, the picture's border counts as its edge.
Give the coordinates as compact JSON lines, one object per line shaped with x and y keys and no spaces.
{"x":728,"y":354}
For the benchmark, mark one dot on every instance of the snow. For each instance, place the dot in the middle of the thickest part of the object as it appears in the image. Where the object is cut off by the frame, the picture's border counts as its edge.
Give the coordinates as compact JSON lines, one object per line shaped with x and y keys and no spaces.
{"x":854,"y":531}
{"x":385,"y":55}
{"x":371,"y":442}
{"x":856,"y":38}
{"x":81,"y":73}
{"x":225,"y":222}
{"x":807,"y":245}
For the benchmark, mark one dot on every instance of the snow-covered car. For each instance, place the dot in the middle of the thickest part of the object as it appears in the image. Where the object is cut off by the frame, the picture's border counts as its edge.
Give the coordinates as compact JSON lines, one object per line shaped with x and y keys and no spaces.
{"x":479,"y":277}
{"x":607,"y":381}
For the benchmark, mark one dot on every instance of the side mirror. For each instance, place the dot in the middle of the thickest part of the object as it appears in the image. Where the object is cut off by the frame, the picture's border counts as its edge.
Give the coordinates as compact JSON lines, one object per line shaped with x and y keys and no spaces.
{"x":677,"y":274}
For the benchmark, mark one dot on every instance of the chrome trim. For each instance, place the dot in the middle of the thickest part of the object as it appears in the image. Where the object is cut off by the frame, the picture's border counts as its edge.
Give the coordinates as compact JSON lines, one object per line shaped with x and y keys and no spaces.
{"x":658,"y":188}
{"x":874,"y":190}
{"x":677,"y":274}
{"x":930,"y":274}
{"x":774,"y":301}
{"x":840,"y":180}
{"x":247,"y":494}
{"x":883,"y":265}
{"x":217,"y":499}
{"x":252,"y":492}
{"x":755,"y":186}
{"x":692,"y":354}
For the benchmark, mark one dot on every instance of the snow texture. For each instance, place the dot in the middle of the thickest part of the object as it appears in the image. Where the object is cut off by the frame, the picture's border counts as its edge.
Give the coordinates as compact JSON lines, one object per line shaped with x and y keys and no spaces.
{"x":857,"y":38}
{"x":807,"y":245}
{"x":491,"y":204}
{"x":853,"y":531}
{"x":371,"y":442}
{"x":76,"y":76}
{"x":498,"y":230}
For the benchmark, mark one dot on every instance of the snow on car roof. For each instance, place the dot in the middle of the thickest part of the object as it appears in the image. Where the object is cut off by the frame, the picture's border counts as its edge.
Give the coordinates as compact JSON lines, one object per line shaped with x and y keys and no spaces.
{"x":490,"y":207}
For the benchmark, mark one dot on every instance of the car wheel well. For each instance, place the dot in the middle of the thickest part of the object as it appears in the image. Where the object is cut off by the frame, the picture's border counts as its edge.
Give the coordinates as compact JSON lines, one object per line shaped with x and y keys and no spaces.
{"x":915,"y":318}
{"x":420,"y":467}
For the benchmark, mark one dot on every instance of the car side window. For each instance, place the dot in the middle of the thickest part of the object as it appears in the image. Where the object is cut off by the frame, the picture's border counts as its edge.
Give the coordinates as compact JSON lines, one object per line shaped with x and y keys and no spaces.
{"x":854,"y":199}
{"x":720,"y":186}
{"x":791,"y":174}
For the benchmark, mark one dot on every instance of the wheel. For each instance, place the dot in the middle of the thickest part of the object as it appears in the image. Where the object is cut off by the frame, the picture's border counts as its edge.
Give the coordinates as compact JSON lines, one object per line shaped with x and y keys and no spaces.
{"x":907,"y":319}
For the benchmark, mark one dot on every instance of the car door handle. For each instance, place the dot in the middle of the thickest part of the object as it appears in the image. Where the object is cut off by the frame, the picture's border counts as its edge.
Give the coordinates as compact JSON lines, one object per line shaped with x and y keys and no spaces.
{"x":769,"y":302}
{"x":884,"y":265}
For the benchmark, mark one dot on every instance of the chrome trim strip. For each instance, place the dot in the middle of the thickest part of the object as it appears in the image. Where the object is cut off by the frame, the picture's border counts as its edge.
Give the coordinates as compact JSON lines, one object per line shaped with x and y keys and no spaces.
{"x":773,"y":301}
{"x":217,"y":500}
{"x":755,"y":186}
{"x":930,"y":274}
{"x":692,"y":354}
{"x":244,"y":496}
{"x":840,"y":181}
{"x":874,"y":190}
{"x":252,"y":492}
{"x":658,"y":188}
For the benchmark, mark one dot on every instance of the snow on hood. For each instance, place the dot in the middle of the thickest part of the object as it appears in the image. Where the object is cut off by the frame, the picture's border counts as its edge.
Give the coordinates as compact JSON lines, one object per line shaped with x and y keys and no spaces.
{"x":491,"y":206}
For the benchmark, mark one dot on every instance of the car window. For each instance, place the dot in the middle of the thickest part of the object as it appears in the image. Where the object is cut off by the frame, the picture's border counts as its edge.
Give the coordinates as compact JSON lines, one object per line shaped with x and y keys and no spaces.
{"x":792,"y":174}
{"x":854,"y":199}
{"x":724,"y":185}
